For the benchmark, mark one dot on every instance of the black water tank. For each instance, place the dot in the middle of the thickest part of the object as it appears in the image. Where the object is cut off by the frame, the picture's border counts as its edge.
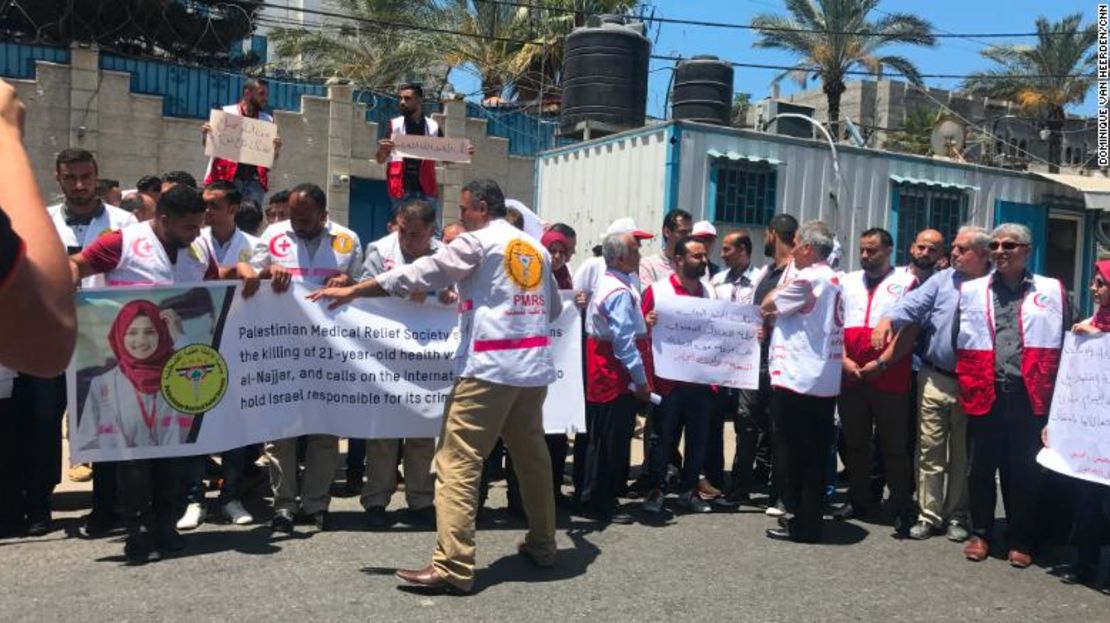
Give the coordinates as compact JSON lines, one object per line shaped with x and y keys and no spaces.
{"x":605,"y":79}
{"x":702,"y":90}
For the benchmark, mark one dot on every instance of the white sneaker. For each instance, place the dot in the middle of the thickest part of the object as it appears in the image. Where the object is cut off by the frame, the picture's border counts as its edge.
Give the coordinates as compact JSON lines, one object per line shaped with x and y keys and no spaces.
{"x":193,"y":517}
{"x":236,"y":514}
{"x":778,"y":510}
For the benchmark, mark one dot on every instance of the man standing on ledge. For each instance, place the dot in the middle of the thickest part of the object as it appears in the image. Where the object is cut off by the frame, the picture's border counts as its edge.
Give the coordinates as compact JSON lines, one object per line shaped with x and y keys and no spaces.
{"x":410,"y":178}
{"x":508,"y":299}
{"x":252,"y":181}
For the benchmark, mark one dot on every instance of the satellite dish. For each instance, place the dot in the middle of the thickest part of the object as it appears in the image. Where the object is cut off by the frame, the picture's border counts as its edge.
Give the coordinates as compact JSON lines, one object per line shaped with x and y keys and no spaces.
{"x":947,"y":139}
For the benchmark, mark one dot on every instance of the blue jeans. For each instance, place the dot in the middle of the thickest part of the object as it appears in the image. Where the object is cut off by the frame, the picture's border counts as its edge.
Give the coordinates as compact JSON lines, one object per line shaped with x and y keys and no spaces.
{"x":251,"y":189}
{"x":689,"y":406}
{"x":233,"y":464}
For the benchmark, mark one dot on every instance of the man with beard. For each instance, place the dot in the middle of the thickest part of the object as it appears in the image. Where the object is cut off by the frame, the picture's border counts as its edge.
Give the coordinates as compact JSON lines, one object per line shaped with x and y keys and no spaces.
{"x":685,"y":405}
{"x":410,"y":178}
{"x":676,"y":224}
{"x":252,"y":181}
{"x":925,"y":252}
{"x":942,"y":424}
{"x":874,"y":396}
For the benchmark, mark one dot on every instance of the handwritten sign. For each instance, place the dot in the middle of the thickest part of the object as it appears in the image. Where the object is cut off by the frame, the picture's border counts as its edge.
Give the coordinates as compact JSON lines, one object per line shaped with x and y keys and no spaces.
{"x":432,"y":148}
{"x":241,"y":139}
{"x":706,"y":341}
{"x":1079,"y":420}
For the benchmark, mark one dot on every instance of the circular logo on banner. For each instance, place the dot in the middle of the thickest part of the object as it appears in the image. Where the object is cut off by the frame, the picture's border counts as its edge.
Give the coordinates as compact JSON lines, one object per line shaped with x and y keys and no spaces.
{"x":194,"y":379}
{"x":280,"y":245}
{"x":342,"y":243}
{"x":524,"y":264}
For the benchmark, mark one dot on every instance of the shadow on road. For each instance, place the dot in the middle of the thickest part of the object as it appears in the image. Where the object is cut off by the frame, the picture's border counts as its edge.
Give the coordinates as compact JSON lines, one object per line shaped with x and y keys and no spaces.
{"x":256,"y":542}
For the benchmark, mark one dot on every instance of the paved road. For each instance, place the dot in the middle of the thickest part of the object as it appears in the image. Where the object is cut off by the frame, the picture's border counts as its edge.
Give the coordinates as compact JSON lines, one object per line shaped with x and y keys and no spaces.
{"x":717,"y":566}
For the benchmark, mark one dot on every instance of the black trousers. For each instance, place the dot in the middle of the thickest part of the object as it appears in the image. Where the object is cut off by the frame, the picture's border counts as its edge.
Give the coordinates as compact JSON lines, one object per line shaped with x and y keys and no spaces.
{"x":151,"y":492}
{"x":31,"y":447}
{"x":752,"y":464}
{"x":1006,"y":441}
{"x":803,"y":428}
{"x":608,"y":452}
{"x":581,"y":448}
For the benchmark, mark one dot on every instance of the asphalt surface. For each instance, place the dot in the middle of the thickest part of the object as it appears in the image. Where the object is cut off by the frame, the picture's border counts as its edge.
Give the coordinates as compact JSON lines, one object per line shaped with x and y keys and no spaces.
{"x":717,"y":566}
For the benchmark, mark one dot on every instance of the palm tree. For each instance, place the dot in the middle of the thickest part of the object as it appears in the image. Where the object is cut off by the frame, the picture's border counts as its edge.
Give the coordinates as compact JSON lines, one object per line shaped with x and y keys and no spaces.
{"x":1044,"y":79}
{"x":912,"y":137}
{"x":367,"y":49}
{"x":833,"y":37}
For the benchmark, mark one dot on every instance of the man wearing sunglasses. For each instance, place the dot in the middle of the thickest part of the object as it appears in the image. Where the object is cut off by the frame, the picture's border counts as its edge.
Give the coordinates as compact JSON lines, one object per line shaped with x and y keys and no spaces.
{"x":1010,"y":328}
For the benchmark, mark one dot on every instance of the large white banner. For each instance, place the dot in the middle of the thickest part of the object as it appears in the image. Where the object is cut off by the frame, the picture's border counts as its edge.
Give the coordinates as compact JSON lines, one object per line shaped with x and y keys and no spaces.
{"x":1079,"y":420}
{"x":197,"y":369}
{"x":706,"y":341}
{"x":240,"y":139}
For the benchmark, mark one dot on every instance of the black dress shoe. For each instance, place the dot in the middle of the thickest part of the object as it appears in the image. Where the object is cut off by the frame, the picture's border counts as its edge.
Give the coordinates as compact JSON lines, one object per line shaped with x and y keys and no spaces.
{"x":97,"y":524}
{"x":168,"y":539}
{"x":779,"y":534}
{"x":848,"y":511}
{"x":40,"y":527}
{"x":1080,"y":574}
{"x":425,"y":517}
{"x":377,"y":518}
{"x":282,"y":522}
{"x":320,"y":520}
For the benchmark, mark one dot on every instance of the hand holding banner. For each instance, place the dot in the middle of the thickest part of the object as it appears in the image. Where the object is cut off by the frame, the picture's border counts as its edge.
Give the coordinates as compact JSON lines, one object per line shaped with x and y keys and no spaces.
{"x":240,"y":139}
{"x":432,"y":148}
{"x":706,"y":341}
{"x":1079,"y":420}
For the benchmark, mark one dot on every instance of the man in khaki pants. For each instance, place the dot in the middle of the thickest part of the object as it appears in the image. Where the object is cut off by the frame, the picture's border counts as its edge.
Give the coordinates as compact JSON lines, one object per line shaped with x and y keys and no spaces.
{"x":942,"y":423}
{"x":507,"y":301}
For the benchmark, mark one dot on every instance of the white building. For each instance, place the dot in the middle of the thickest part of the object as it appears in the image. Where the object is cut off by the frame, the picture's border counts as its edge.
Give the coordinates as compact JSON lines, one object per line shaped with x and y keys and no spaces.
{"x":741,"y":178}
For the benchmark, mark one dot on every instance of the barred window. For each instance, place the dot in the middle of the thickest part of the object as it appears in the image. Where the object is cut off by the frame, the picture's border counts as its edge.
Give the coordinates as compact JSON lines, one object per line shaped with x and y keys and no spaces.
{"x":745,"y":192}
{"x":919,"y":207}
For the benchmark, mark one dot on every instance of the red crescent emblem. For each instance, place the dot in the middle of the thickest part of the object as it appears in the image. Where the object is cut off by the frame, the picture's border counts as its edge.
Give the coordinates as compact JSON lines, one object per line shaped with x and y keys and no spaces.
{"x":280,"y":245}
{"x":142,"y":248}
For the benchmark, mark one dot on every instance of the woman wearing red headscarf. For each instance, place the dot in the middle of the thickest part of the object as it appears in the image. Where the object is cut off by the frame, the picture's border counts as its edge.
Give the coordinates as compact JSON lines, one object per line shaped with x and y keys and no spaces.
{"x":1100,"y":292}
{"x":125,"y":408}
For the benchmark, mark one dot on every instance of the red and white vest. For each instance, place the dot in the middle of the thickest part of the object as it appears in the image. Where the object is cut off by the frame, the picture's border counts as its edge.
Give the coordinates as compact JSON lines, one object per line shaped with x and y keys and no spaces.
{"x":239,"y":249}
{"x":337,"y":252}
{"x":143,"y":261}
{"x":503,"y":311}
{"x":862,"y":311}
{"x":389,"y":248}
{"x":395,"y":170}
{"x":807,"y":346}
{"x":111,"y":219}
{"x":220,"y":169}
{"x":1042,"y":335}
{"x":606,"y":377}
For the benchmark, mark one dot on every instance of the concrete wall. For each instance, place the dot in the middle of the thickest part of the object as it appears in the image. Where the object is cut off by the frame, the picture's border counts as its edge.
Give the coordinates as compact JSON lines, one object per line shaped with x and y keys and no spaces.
{"x":77,"y":105}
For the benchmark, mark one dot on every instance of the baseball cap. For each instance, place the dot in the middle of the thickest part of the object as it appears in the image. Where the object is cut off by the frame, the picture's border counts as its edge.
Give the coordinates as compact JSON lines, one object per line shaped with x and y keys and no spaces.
{"x":703,"y":229}
{"x":627,"y":226}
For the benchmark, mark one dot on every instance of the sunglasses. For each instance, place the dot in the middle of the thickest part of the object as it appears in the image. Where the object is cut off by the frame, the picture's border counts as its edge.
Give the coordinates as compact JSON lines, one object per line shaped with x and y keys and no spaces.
{"x":1007,"y":245}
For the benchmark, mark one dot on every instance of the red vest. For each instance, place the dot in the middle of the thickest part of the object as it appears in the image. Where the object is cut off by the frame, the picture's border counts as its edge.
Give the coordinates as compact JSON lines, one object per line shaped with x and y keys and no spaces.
{"x":395,"y":169}
{"x":862,"y":311}
{"x":606,"y":377}
{"x":224,"y":170}
{"x":1042,"y":336}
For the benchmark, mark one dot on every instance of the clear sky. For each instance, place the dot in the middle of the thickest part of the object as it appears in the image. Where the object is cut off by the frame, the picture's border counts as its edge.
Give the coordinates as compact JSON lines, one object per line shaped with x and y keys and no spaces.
{"x":949,"y":56}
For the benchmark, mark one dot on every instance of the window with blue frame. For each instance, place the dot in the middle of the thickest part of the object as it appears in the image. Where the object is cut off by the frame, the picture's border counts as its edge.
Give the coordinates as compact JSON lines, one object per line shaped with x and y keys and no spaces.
{"x":918,"y":207}
{"x":745,"y":191}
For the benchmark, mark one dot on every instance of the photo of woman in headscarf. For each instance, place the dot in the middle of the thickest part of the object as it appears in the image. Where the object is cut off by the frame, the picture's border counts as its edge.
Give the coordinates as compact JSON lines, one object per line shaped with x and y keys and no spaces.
{"x":124,"y":407}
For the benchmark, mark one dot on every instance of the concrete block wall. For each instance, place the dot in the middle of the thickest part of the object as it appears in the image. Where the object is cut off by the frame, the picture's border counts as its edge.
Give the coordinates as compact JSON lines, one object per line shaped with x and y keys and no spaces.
{"x":77,"y":105}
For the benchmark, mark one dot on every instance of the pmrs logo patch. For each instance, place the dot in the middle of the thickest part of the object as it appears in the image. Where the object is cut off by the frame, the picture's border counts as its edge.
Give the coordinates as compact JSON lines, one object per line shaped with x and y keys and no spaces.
{"x":194,"y":380}
{"x":342,"y":243}
{"x":523,"y":264}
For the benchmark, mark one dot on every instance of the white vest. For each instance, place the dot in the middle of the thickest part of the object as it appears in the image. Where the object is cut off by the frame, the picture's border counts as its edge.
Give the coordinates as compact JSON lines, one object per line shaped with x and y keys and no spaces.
{"x":597,"y":324}
{"x":111,"y":219}
{"x":808,"y":345}
{"x":863,"y":308}
{"x":337,"y":250}
{"x":144,"y":261}
{"x":397,"y":126}
{"x":113,"y":416}
{"x":663,"y":289}
{"x":389,"y":248}
{"x":239,"y":249}
{"x":503,"y":311}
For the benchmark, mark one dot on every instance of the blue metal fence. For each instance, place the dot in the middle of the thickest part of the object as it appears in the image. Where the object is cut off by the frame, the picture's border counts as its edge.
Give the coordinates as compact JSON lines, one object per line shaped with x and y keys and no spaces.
{"x":193,"y":92}
{"x":17,"y":60}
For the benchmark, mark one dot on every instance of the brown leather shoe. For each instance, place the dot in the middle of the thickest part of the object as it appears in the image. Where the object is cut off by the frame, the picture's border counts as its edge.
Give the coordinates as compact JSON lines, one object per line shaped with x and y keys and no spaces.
{"x":543,"y":562}
{"x":430,"y":580}
{"x":976,"y":549}
{"x":1019,"y":559}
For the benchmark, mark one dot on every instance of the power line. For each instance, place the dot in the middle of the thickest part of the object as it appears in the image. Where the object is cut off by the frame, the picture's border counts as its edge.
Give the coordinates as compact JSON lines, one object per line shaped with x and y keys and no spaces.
{"x":736,"y":26}
{"x":424,"y":28}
